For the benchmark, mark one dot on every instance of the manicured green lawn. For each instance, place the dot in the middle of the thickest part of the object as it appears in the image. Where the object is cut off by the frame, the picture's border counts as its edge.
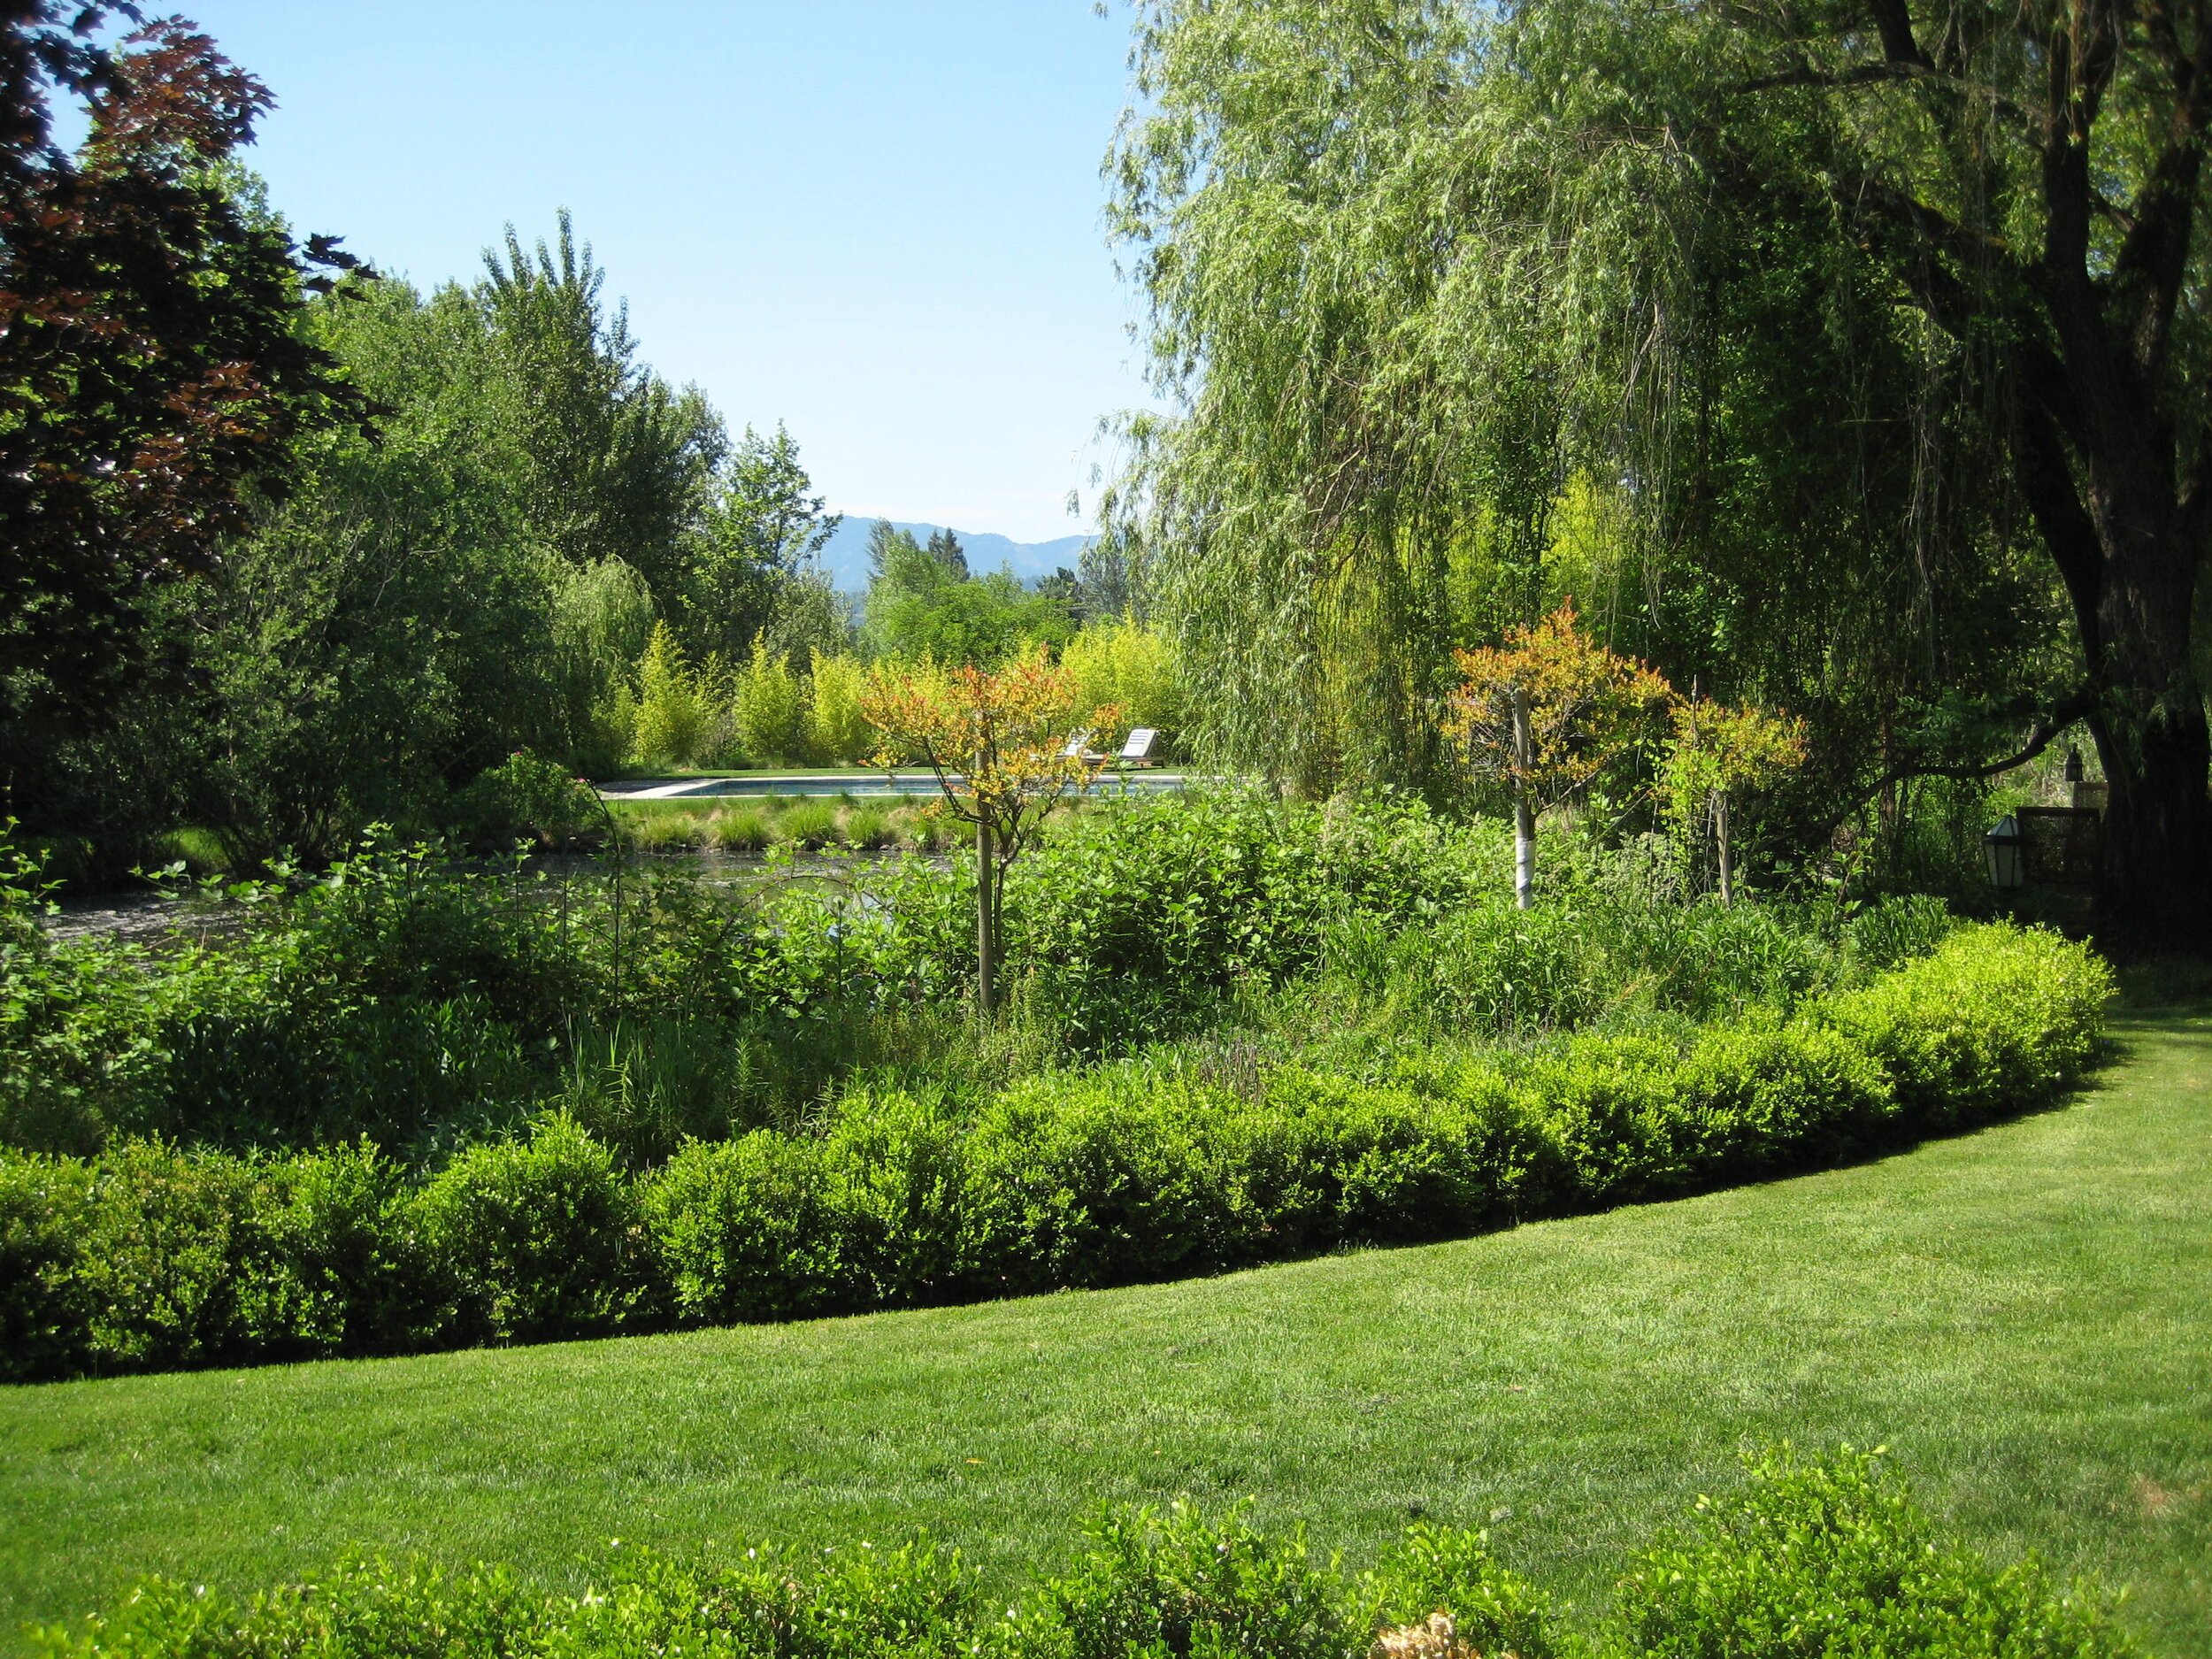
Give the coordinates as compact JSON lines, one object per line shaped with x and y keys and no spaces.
{"x":2023,"y":1314}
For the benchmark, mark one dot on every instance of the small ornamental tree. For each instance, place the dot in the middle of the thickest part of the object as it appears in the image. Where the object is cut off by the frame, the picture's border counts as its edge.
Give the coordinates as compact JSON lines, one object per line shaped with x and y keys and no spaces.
{"x":1006,"y":747}
{"x":1547,"y":713}
{"x":1719,"y":750}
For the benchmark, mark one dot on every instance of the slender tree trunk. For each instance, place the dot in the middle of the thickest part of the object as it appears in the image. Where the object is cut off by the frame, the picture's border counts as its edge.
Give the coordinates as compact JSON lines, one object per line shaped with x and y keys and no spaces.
{"x":1524,"y":810}
{"x":986,"y":918}
{"x":1727,"y":852}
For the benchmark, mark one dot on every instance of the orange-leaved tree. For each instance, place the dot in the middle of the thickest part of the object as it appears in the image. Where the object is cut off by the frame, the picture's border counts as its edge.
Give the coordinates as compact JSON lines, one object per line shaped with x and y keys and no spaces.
{"x":1545,"y":713}
{"x":1717,"y":750}
{"x":1007,"y":746}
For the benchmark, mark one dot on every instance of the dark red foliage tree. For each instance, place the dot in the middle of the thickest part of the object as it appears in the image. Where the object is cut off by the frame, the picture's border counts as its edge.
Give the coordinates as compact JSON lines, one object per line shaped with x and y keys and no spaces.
{"x":153,"y":373}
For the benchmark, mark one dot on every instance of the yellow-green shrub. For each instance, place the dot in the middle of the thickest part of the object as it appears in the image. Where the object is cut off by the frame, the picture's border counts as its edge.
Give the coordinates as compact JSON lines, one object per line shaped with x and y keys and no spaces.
{"x":838,"y":733}
{"x":1123,"y":663}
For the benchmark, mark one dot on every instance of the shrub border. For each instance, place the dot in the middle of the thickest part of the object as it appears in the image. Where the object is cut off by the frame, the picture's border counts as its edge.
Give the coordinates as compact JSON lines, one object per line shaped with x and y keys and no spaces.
{"x":154,"y":1257}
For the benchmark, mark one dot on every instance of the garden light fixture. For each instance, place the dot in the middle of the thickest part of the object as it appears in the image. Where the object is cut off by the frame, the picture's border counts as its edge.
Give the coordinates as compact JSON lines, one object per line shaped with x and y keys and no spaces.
{"x":2002,"y":845}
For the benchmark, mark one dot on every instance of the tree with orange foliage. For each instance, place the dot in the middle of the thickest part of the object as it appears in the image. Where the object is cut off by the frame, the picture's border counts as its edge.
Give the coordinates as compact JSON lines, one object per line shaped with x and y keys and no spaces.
{"x":1007,"y":747}
{"x":1718,"y":750}
{"x":1547,"y":713}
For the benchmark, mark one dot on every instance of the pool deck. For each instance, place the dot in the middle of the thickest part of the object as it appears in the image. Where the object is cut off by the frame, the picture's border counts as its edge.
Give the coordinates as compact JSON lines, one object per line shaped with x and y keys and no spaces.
{"x":802,"y":783}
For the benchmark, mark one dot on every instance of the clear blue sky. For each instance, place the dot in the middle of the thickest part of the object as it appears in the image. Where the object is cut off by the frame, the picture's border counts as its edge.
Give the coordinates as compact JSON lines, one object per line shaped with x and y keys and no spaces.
{"x":876,"y":220}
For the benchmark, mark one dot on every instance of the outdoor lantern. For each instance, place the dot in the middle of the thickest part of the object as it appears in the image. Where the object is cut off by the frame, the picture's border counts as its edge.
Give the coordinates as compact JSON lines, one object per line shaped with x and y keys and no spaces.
{"x":2002,"y":845}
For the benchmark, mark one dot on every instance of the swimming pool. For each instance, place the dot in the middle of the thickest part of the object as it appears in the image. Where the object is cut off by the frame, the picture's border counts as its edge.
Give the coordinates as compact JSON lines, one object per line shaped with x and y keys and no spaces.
{"x":856,"y":785}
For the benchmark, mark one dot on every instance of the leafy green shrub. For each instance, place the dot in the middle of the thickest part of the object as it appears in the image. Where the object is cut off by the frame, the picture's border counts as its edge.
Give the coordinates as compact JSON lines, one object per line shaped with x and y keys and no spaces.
{"x":82,"y":1054}
{"x":750,"y":1229}
{"x":345,"y":1226}
{"x":536,"y":1239}
{"x":427,"y":1005}
{"x":1100,"y":1181}
{"x":1155,"y":1581}
{"x":1449,"y":1570}
{"x":1813,"y":1562}
{"x":164,"y":1257}
{"x":526,"y":797}
{"x":177,"y":1263}
{"x":1996,"y":1019}
{"x":912,"y":1599}
{"x":1331,"y":1160}
{"x":46,"y":1311}
{"x":1172,"y":891}
{"x":1765,"y":1094}
{"x":902,"y":1179}
{"x":1816,"y":1559}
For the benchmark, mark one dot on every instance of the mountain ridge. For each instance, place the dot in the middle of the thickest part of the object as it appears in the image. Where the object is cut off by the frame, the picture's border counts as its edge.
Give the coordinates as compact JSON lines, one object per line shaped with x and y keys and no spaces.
{"x":845,"y":554}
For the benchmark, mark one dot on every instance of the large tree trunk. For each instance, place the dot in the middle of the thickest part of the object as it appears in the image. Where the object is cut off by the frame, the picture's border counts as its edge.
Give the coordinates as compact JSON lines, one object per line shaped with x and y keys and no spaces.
{"x":2154,"y":886}
{"x":2129,"y":554}
{"x":2119,"y":483}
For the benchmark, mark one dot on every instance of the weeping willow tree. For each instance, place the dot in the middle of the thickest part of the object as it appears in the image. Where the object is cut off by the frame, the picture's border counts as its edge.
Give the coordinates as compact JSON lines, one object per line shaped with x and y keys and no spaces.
{"x":1298,"y":187}
{"x":1874,"y":329}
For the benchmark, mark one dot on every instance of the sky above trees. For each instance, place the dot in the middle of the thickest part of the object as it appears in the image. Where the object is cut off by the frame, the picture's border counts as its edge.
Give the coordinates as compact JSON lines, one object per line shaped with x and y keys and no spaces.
{"x":876,"y":221}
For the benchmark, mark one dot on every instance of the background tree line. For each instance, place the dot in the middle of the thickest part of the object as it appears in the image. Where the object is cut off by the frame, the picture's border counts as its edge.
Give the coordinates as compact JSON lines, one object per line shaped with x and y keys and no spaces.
{"x":478,"y":571}
{"x":534,"y":544}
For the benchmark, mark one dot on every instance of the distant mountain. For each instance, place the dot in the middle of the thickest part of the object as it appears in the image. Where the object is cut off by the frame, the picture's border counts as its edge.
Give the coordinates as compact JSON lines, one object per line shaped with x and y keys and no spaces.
{"x":845,"y":554}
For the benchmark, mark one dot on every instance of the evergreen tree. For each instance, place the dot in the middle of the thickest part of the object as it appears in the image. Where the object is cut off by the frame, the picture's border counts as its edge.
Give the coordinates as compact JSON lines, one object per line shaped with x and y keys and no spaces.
{"x":945,"y":548}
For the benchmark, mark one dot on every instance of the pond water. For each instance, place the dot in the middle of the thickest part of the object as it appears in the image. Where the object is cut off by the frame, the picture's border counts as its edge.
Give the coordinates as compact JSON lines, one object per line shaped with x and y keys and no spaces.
{"x":160,"y":918}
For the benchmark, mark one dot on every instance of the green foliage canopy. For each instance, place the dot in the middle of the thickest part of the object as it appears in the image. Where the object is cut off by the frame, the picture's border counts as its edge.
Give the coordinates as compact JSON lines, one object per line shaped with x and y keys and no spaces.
{"x":1876,"y":335}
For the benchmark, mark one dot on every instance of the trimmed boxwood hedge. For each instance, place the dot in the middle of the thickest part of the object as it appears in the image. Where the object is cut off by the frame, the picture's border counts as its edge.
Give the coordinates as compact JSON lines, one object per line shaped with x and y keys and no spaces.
{"x":153,"y":1257}
{"x":1823,"y":1558}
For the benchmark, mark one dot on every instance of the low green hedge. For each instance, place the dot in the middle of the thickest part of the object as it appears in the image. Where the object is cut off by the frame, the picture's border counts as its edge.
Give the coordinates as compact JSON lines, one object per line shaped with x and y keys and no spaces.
{"x":1809,"y":1559}
{"x":151,"y":1256}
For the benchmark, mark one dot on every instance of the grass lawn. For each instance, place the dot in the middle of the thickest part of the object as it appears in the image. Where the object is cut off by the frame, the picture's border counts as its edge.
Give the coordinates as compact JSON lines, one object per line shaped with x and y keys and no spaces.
{"x":2021,"y":1314}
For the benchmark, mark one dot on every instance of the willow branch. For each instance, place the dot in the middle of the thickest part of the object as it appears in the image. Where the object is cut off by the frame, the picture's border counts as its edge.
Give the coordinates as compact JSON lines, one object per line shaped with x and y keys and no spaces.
{"x":2048,"y":726}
